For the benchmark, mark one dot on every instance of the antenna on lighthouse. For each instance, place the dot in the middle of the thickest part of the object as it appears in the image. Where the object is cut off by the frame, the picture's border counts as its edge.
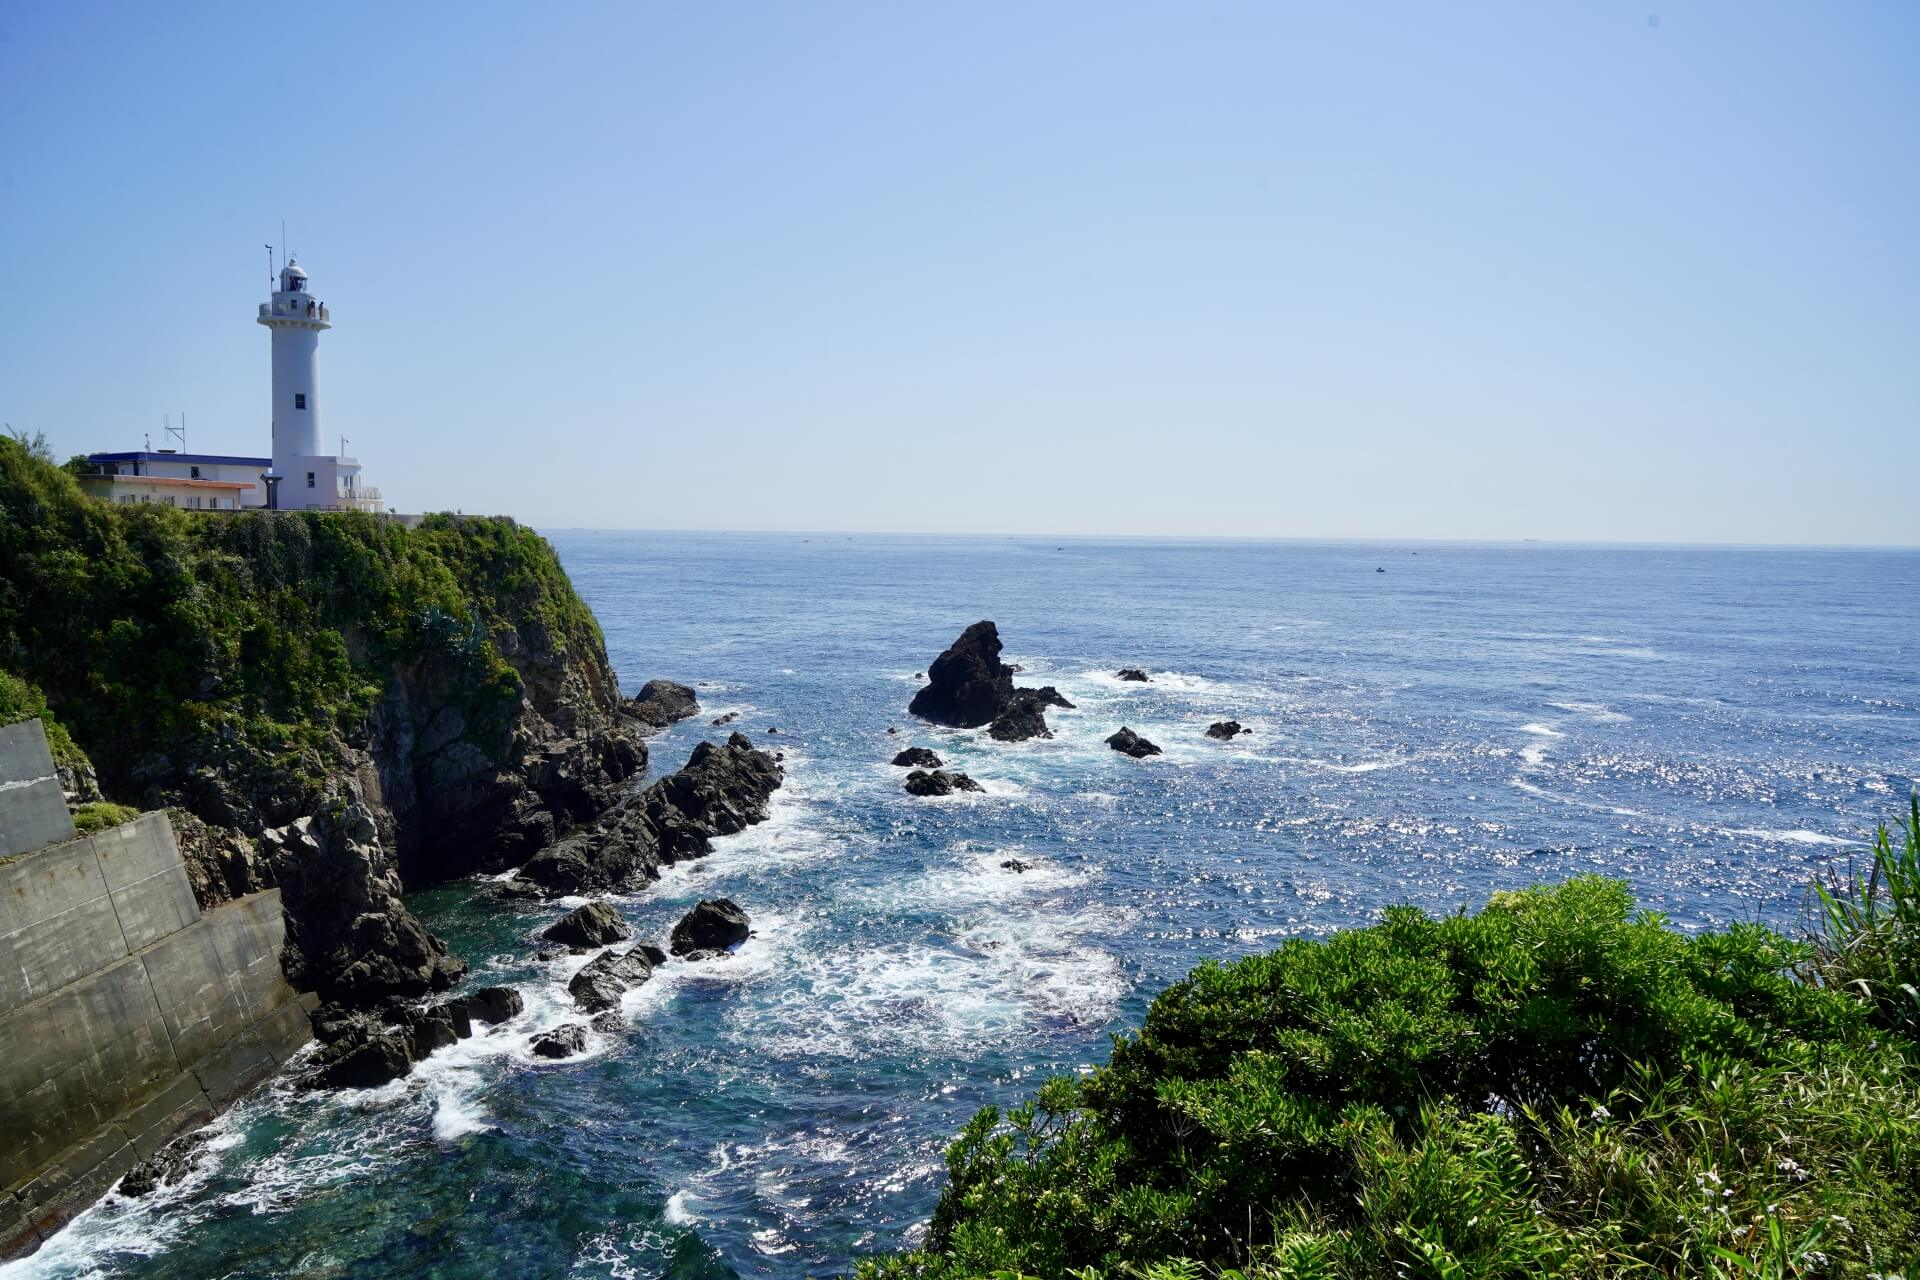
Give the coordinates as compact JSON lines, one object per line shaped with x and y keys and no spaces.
{"x":272,"y":282}
{"x":180,"y":432}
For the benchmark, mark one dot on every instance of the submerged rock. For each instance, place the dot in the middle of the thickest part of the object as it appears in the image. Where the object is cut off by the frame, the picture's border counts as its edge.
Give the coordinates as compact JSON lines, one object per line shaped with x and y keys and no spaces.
{"x":917,"y":758}
{"x":169,"y":1164}
{"x":1134,"y":674}
{"x":583,"y":929}
{"x":661,"y":703}
{"x":968,"y":686}
{"x":939,"y":783}
{"x":714,"y":925}
{"x":604,"y":979}
{"x":563,"y":1041}
{"x":1225,"y":729}
{"x":1015,"y":865}
{"x":1129,"y":743}
{"x":728,"y":718}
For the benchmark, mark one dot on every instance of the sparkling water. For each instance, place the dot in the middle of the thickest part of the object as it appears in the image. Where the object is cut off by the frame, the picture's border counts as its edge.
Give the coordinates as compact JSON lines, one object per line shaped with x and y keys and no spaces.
{"x":1713,"y":725}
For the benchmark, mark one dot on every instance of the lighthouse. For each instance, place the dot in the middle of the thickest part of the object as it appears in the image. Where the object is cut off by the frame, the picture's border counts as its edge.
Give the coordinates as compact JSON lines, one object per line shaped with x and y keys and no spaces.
{"x":302,"y":475}
{"x":297,"y":320}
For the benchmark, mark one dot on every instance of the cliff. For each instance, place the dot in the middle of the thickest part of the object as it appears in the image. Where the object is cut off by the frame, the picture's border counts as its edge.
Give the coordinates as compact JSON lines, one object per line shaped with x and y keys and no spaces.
{"x":330,"y":703}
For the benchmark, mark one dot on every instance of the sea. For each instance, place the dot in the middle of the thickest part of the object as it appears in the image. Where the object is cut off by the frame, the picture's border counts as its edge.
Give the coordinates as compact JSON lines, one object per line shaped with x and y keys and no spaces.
{"x":1430,"y":723}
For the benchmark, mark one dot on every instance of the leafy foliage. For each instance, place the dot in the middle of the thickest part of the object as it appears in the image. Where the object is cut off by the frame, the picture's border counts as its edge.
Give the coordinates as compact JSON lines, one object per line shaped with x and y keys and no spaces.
{"x":1867,"y":933}
{"x":1555,"y":1086}
{"x":163,"y":640}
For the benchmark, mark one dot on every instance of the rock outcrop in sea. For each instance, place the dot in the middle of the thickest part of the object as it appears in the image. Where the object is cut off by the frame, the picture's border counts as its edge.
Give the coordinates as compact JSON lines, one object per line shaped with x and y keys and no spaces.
{"x":1225,"y":730}
{"x":938,"y":782}
{"x":720,"y":791}
{"x":968,"y":686}
{"x":364,"y":1047}
{"x":1129,"y":743}
{"x":917,"y":758}
{"x":1132,"y":674}
{"x":714,"y":925}
{"x":588,"y":927}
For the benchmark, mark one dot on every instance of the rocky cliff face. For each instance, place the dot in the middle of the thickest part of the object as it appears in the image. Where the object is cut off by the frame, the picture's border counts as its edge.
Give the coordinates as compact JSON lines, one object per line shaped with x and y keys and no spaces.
{"x":440,"y":779}
{"x":327,"y":702}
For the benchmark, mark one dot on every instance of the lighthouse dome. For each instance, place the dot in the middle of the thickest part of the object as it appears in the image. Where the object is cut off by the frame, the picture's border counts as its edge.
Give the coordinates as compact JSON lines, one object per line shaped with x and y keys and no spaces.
{"x":292,"y":277}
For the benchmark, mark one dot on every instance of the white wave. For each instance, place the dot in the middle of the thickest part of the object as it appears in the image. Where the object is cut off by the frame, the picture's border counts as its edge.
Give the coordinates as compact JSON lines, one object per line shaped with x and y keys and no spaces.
{"x":995,"y":977}
{"x":1795,"y":836}
{"x":1544,"y":730}
{"x":1157,"y":681}
{"x":677,"y":1211}
{"x":456,"y":1112}
{"x":1595,"y":710}
{"x":1534,"y":755}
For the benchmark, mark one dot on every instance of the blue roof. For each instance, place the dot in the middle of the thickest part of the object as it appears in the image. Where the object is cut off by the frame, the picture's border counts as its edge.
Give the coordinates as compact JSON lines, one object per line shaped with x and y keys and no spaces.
{"x":142,"y":455}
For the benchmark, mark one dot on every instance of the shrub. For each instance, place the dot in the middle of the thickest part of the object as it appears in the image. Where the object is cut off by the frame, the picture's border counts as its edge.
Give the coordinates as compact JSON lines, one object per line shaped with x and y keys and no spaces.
{"x":1866,"y":936}
{"x":1555,"y":1086}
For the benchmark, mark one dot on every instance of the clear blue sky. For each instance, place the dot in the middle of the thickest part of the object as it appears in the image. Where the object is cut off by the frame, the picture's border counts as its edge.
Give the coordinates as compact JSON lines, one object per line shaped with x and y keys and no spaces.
{"x":1449,"y":270}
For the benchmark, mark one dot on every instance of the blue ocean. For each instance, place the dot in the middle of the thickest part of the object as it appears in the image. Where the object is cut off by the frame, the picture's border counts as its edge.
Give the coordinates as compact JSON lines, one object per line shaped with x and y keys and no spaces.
{"x":1431,"y":722}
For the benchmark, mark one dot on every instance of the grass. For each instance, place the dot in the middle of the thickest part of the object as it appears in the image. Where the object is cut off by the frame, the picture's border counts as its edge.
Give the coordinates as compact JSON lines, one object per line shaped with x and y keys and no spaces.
{"x":1556,"y":1086}
{"x":101,"y":816}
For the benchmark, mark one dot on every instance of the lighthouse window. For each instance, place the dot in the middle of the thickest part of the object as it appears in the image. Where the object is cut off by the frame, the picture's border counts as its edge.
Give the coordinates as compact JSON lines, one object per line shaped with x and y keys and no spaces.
{"x":195,"y":472}
{"x":309,"y":479}
{"x":299,"y":399}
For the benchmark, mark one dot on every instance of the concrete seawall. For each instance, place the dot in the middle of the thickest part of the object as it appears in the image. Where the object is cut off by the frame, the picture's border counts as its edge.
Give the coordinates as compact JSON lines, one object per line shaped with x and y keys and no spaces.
{"x":127,"y":1015}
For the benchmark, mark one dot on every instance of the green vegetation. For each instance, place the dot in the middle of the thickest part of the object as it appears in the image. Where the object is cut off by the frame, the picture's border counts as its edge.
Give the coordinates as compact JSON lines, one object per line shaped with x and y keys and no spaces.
{"x":172,"y":645}
{"x":1557,"y":1086}
{"x":22,"y":701}
{"x":100,"y":815}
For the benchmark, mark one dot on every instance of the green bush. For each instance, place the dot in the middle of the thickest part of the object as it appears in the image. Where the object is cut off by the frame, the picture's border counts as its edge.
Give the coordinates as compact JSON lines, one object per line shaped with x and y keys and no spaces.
{"x":1556,"y":1086}
{"x":167,"y":641}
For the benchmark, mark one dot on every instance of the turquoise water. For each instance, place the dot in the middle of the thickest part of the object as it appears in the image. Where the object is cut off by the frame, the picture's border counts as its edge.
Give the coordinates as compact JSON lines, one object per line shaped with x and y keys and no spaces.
{"x":1713,"y":725}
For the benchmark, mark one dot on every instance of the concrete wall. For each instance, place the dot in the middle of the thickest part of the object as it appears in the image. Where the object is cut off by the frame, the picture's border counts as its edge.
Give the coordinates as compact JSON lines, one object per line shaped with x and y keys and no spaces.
{"x":33,"y":809}
{"x":126,"y":1015}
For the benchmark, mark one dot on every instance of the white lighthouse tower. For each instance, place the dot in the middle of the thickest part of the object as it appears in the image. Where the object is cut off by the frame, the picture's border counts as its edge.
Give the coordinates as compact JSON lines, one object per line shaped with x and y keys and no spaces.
{"x":303,"y":475}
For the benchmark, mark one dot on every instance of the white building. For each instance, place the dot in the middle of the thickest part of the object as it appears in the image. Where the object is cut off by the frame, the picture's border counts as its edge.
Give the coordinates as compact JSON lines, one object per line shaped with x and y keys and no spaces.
{"x":298,"y":477}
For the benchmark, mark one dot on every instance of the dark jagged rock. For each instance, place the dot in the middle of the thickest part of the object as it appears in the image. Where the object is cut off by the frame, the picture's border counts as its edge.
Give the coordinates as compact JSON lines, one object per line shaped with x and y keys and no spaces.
{"x":968,"y":686}
{"x":564,"y":1041}
{"x":609,"y":1021}
{"x":594,"y":925}
{"x":917,"y":758}
{"x":1134,"y":674}
{"x":655,"y":955}
{"x":493,"y":1005}
{"x":364,"y":1057}
{"x":721,"y":791}
{"x":1015,"y":865}
{"x":1224,"y":730}
{"x":169,"y":1164}
{"x":728,"y":718}
{"x":1129,"y":743}
{"x":1023,"y":718}
{"x":606,"y":978}
{"x":714,"y":925}
{"x":661,"y":703}
{"x":938,"y":783}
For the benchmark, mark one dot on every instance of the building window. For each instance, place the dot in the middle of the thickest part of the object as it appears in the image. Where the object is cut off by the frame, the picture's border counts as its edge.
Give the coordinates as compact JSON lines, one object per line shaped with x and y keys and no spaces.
{"x":309,"y":479}
{"x":194,"y":472}
{"x":299,"y":399}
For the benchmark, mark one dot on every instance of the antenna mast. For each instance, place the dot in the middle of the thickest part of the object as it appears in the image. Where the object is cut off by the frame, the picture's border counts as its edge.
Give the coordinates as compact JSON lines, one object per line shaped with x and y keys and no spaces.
{"x":271,"y":281}
{"x":180,"y":432}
